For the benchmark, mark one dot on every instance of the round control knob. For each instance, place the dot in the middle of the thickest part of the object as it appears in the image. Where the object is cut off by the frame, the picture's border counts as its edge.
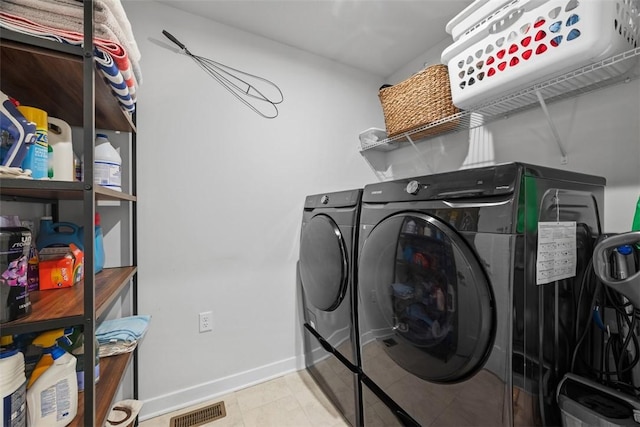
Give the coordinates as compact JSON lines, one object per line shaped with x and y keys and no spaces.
{"x":324,"y":200}
{"x":413,"y":187}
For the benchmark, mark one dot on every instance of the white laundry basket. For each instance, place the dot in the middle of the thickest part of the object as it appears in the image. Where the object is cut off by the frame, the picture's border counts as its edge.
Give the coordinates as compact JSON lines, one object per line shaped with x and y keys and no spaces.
{"x":476,"y":15}
{"x":529,"y":41}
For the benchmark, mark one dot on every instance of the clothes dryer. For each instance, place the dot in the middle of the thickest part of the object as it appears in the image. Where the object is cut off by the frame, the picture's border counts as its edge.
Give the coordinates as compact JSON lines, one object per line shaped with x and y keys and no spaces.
{"x":454,"y":329}
{"x":326,"y":270}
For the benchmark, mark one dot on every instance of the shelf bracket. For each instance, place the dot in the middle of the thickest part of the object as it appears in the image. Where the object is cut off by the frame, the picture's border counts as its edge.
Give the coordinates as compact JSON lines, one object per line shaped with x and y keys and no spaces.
{"x":554,"y":131}
{"x":408,"y":136}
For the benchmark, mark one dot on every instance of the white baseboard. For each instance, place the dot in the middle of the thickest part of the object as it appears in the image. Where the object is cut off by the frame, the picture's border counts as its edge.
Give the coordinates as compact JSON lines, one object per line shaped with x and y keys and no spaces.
{"x":180,"y":399}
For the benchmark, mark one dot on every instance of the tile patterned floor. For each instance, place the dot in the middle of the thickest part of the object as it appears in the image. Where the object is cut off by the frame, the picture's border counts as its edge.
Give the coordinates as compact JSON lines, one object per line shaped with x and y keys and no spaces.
{"x":292,"y":400}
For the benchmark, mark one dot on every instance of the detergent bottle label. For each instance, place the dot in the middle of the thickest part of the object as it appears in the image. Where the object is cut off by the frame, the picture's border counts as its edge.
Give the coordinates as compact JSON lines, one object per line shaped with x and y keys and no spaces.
{"x":37,"y":159}
{"x":107,"y":174}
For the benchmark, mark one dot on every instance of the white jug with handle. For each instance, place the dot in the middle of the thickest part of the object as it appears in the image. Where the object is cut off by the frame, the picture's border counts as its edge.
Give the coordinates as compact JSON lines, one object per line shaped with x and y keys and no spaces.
{"x":60,"y":140}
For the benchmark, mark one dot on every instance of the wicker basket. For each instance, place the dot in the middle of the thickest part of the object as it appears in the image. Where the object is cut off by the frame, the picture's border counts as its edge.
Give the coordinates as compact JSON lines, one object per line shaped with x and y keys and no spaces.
{"x":418,"y":101}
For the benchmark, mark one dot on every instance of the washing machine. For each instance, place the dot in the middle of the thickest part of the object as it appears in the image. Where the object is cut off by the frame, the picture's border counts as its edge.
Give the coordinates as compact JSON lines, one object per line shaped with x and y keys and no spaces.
{"x":467,"y":286}
{"x":325,"y":272}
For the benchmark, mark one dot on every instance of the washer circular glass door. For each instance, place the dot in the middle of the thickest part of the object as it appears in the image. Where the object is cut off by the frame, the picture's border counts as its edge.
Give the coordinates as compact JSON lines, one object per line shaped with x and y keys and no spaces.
{"x":323,"y":263}
{"x":426,"y":298}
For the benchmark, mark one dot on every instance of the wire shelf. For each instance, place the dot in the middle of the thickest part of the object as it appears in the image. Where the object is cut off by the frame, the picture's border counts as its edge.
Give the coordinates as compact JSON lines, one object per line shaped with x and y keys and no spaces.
{"x":608,"y":72}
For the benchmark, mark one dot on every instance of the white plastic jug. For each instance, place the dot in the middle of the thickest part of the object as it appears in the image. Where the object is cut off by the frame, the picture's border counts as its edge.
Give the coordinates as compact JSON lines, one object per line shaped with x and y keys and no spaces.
{"x":59,"y":136}
{"x":107,"y":164}
{"x":52,"y":400}
{"x":13,"y":386}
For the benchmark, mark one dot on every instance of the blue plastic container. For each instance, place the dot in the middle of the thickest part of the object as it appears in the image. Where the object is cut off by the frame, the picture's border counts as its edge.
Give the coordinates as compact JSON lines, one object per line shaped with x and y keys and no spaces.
{"x":54,"y":234}
{"x":99,"y":245}
{"x":18,"y":134}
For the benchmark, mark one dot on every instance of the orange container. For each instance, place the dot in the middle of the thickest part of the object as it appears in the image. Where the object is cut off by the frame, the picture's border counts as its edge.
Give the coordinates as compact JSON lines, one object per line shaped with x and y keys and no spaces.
{"x":61,"y":267}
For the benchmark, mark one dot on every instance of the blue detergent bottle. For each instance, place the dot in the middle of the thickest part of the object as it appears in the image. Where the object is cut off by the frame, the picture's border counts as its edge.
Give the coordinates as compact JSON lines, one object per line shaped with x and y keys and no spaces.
{"x":63,"y":233}
{"x":98,"y":250}
{"x":18,"y":134}
{"x":99,"y":245}
{"x":53,"y":234}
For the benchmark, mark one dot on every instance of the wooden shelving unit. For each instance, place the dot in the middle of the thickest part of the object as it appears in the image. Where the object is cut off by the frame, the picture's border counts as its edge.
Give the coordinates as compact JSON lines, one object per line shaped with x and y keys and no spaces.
{"x":62,"y":80}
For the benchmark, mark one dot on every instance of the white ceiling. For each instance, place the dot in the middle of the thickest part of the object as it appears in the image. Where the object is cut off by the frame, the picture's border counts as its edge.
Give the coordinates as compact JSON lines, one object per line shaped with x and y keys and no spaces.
{"x":379,"y":36}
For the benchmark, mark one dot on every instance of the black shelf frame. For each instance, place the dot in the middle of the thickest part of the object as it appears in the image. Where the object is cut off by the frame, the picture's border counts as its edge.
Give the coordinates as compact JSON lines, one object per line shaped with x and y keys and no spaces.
{"x":51,"y":192}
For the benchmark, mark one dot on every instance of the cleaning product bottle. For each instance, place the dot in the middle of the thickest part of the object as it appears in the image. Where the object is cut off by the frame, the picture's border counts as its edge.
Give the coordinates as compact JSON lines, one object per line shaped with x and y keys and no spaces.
{"x":17,"y":133}
{"x":37,"y":156}
{"x":59,"y":137}
{"x":77,"y":165}
{"x":52,"y":397}
{"x":49,"y":161}
{"x":13,"y":385}
{"x":635,"y":226}
{"x":47,"y":341}
{"x":75,"y":346}
{"x":54,"y":234}
{"x":99,"y":245}
{"x":107,"y":164}
{"x":32,"y":262}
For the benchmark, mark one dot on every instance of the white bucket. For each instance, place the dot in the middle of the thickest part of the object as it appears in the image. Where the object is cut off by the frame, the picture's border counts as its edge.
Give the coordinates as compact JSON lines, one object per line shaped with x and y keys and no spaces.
{"x":59,"y":136}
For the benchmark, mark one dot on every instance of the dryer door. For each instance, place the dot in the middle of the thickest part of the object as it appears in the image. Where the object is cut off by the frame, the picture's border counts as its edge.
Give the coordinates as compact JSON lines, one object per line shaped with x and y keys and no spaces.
{"x":324,"y":268}
{"x":425,"y":296}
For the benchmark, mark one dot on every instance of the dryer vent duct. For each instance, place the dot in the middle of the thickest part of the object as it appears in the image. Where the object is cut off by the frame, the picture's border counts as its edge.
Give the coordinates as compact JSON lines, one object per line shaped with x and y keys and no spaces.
{"x":200,"y":416}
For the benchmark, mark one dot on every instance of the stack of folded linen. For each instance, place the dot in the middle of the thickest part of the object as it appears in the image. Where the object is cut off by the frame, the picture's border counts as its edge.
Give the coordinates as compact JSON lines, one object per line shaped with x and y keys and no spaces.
{"x":121,"y":335}
{"x":116,"y":52}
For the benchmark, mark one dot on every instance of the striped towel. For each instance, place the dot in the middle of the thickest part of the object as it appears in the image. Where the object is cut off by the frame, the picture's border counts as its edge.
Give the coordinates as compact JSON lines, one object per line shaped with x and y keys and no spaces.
{"x":110,"y":54}
{"x":113,"y":77}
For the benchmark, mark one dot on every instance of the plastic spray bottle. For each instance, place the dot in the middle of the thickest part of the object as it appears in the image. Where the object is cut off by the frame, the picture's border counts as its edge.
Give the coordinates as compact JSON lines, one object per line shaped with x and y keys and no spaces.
{"x":52,"y":391}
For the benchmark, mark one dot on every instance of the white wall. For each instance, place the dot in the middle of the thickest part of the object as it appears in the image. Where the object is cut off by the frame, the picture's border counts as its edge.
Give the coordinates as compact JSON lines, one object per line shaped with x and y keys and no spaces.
{"x":221,"y":189}
{"x":221,"y":192}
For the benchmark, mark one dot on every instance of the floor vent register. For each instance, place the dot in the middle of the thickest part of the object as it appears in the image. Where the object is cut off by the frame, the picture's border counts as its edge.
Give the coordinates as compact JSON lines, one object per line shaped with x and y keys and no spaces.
{"x":200,"y":416}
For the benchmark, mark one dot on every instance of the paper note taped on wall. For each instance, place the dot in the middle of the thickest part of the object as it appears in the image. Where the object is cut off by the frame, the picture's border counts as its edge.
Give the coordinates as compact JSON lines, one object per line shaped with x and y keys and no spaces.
{"x":557,"y":252}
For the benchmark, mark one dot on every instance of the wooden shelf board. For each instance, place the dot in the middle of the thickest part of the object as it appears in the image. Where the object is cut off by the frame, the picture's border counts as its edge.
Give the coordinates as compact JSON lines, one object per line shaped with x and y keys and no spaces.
{"x":52,"y":81}
{"x":112,"y":371}
{"x":55,"y":190}
{"x":65,"y":306}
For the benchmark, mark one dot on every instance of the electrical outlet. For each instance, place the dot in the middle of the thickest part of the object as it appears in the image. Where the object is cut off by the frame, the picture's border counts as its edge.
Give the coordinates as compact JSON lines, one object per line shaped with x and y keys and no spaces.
{"x":206,"y":321}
